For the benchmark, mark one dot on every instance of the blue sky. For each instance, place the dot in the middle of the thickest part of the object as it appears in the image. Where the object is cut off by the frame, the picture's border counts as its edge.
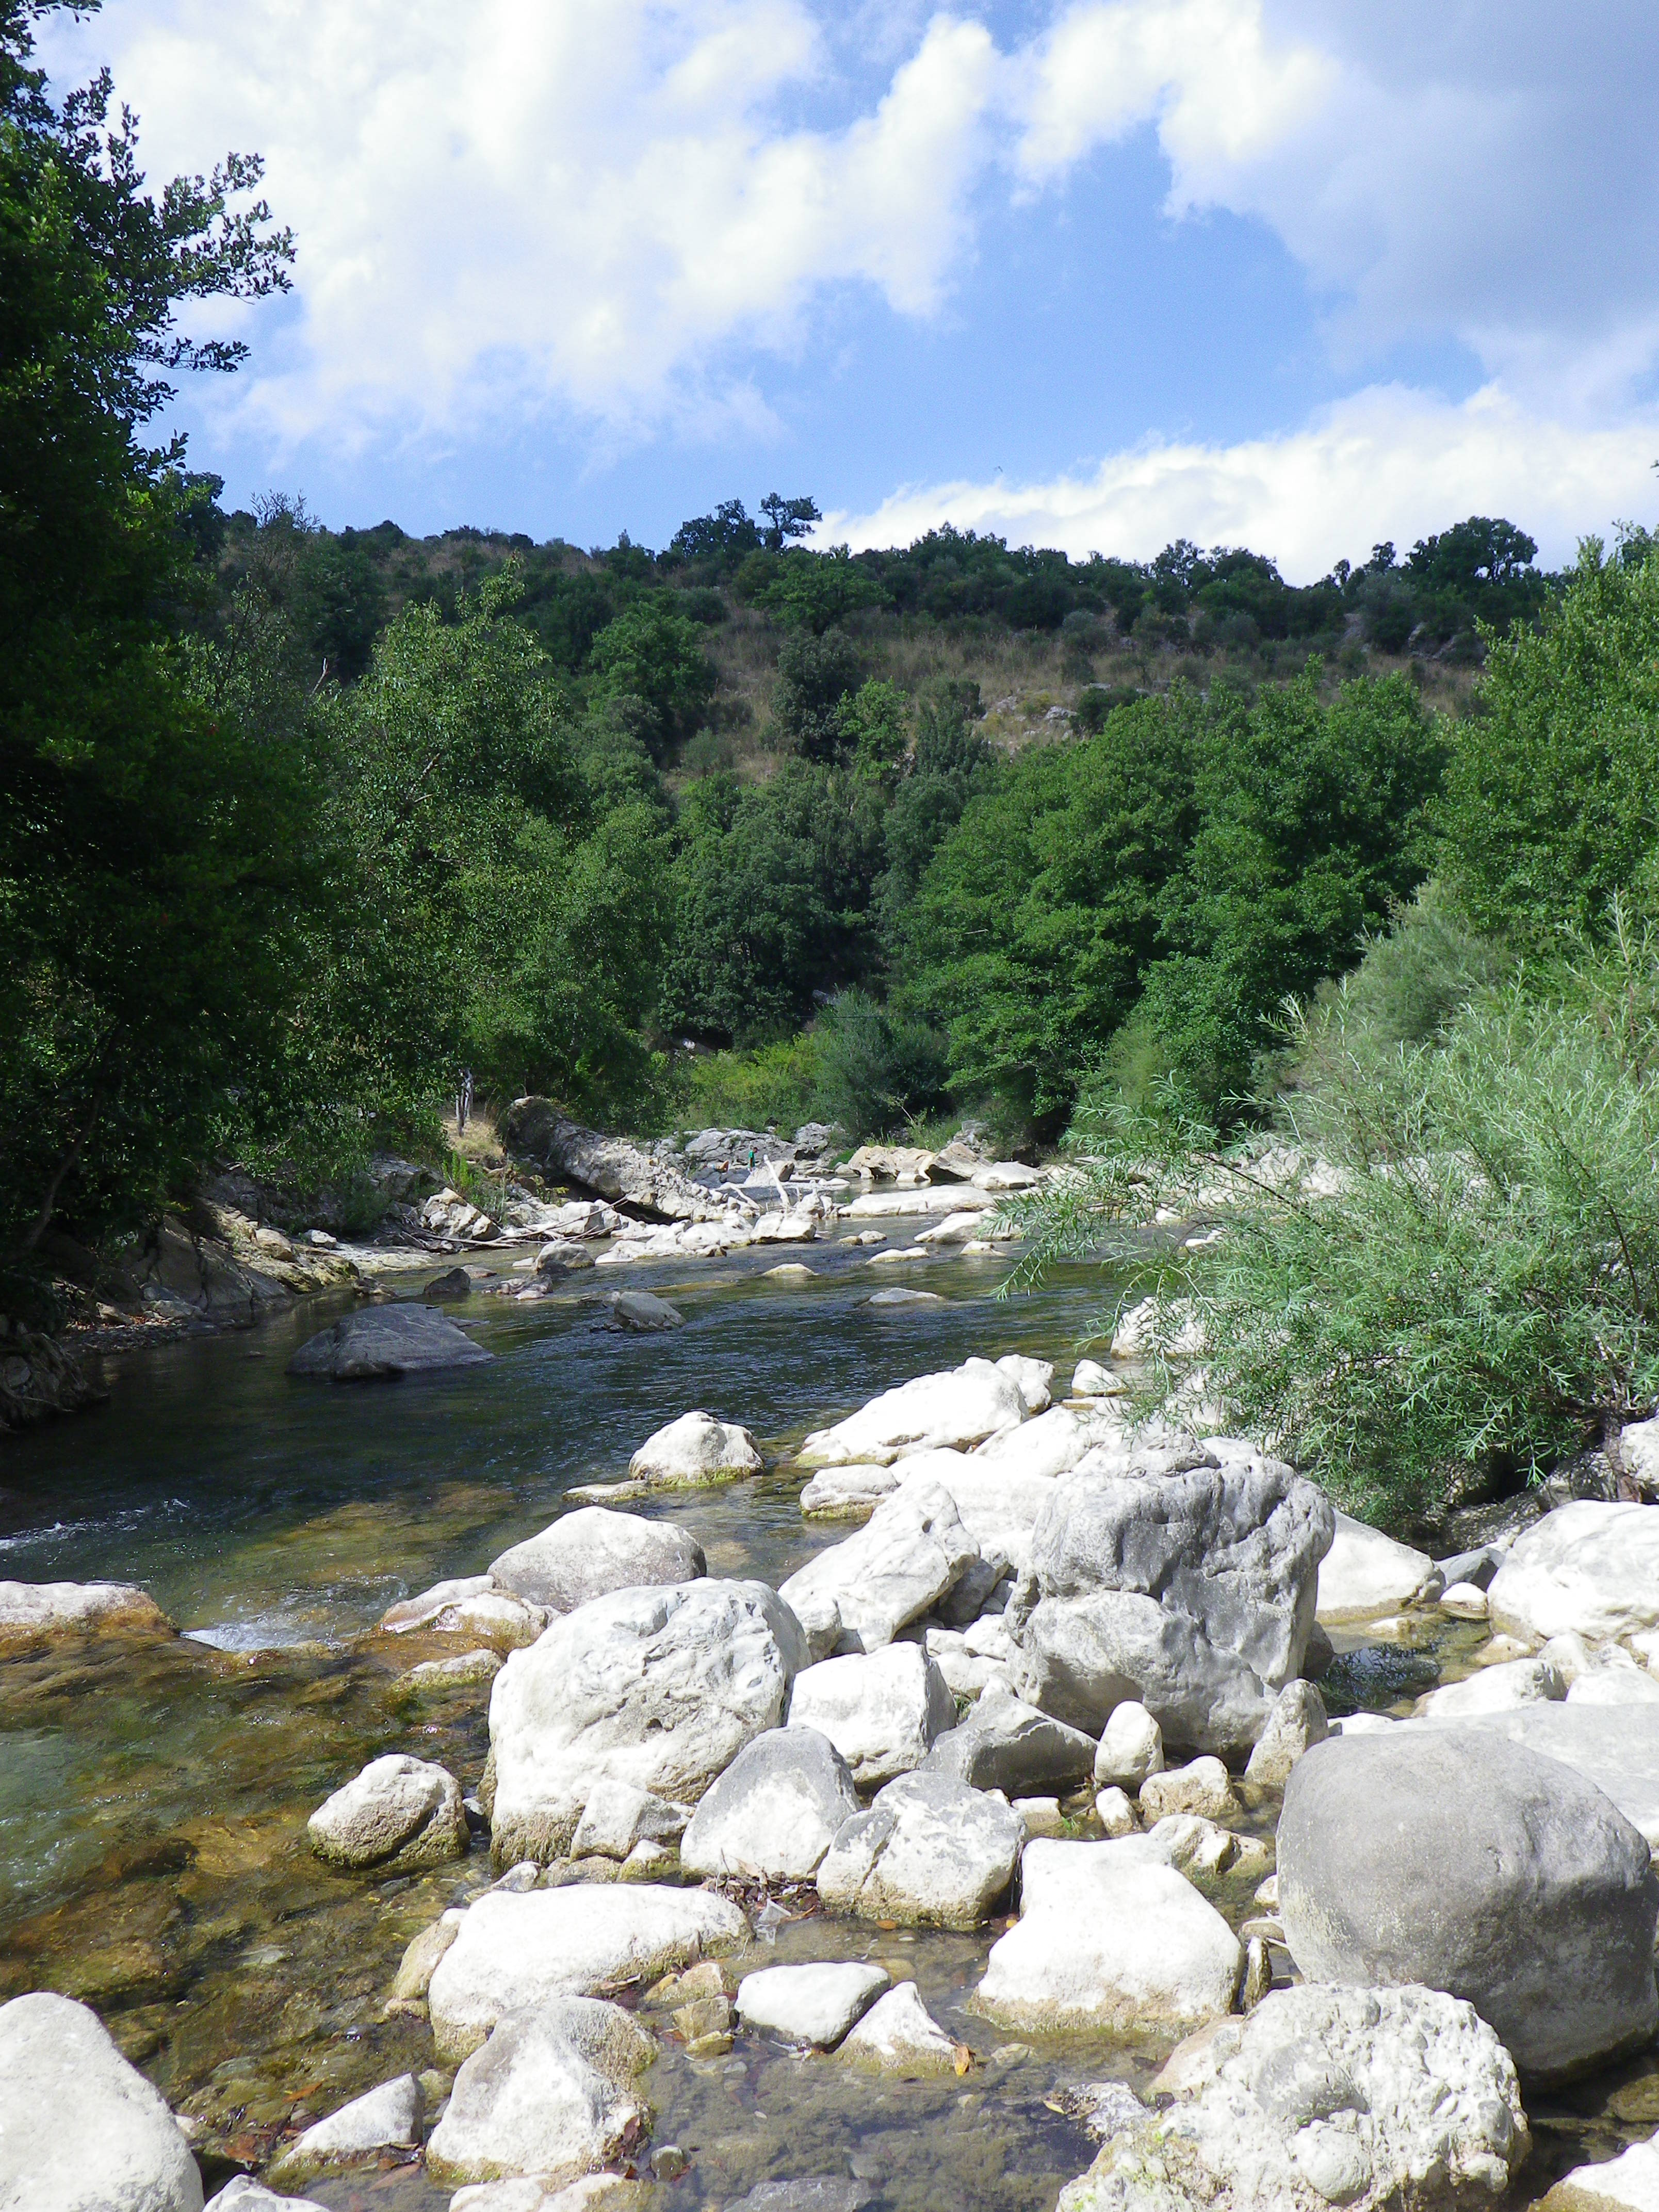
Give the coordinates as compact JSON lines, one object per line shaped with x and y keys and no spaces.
{"x":1303,"y":274}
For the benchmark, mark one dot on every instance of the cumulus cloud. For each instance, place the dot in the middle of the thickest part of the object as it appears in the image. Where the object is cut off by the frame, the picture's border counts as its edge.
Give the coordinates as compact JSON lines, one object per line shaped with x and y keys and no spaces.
{"x":1388,"y":461}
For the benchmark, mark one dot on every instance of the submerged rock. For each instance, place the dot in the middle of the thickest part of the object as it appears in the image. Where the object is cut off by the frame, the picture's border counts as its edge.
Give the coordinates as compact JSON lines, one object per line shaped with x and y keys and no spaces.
{"x":659,"y":1687}
{"x":814,"y":2005}
{"x":472,"y":1606}
{"x":930,"y":1852}
{"x":400,"y":1812}
{"x":387,"y":2118}
{"x":1384,"y":2100}
{"x":383,"y":1342}
{"x":1182,"y":1584}
{"x":81,"y":2131}
{"x":1469,"y":1865}
{"x":899,"y":2035}
{"x":1107,"y":1940}
{"x":592,"y":1551}
{"x":695,"y":1449}
{"x":548,"y":2094}
{"x":518,"y":1948}
{"x":775,"y":1812}
{"x":881,"y":1709}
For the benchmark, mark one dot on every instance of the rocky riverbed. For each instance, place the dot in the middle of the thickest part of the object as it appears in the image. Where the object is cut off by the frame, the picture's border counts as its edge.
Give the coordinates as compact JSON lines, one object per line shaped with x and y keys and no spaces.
{"x":886,"y":1776}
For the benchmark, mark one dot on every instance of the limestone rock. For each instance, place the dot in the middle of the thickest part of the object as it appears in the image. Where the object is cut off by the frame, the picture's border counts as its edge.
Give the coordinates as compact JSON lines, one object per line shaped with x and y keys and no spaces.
{"x":245,"y":2194}
{"x":1629,"y":2183}
{"x":35,"y":1612}
{"x":1183,"y":1583}
{"x":1297,"y":1722}
{"x":814,"y":2005}
{"x":549,"y":2095}
{"x":1366,"y":1574}
{"x":948,"y":1411}
{"x":641,"y":1309}
{"x":514,"y":1949}
{"x":1131,"y":1747}
{"x":1091,"y":1380}
{"x":1105,"y":1941}
{"x":1032,"y":1376}
{"x":398,"y":1813}
{"x":618,"y":1816}
{"x":471,"y":1606}
{"x":881,"y":1709}
{"x":387,"y":2118}
{"x":420,"y":1959}
{"x":695,"y":1449}
{"x":1466,"y":1864}
{"x":81,"y":2131}
{"x":383,"y":1342}
{"x":930,"y":1852}
{"x":624,"y":1173}
{"x":1007,"y":1745}
{"x":1202,"y":1787}
{"x":592,"y":1551}
{"x":1496,"y":1689}
{"x":775,"y":1812}
{"x":1383,"y":2100}
{"x":899,"y":2035}
{"x":659,"y":1687}
{"x":847,"y":1493}
{"x":1588,"y":1567}
{"x":912,"y":1549}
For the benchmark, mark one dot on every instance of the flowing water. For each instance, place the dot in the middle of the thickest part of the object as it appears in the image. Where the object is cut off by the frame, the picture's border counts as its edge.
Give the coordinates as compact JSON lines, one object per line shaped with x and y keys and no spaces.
{"x":154,"y":1797}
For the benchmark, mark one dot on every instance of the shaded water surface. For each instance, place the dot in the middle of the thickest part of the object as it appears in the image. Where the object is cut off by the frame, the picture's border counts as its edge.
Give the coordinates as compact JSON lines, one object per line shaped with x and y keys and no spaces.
{"x":152,"y":1799}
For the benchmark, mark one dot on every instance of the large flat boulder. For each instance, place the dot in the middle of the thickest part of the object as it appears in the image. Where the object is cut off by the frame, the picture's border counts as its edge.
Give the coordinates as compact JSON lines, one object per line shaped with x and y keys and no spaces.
{"x":515,"y":1948}
{"x":883,"y":1710}
{"x":858,"y":1594}
{"x":383,"y":1342}
{"x":1366,"y":1574}
{"x":930,"y":1852}
{"x":1107,"y":1940}
{"x":1589,"y":1568}
{"x":1464,"y":1863}
{"x":551,"y":2093}
{"x":775,"y":1812}
{"x":589,"y":1553}
{"x":1381,"y":2101}
{"x":534,"y":1129}
{"x":81,"y":2131}
{"x":1184,"y":1584}
{"x":659,"y":1687}
{"x":949,"y":1411}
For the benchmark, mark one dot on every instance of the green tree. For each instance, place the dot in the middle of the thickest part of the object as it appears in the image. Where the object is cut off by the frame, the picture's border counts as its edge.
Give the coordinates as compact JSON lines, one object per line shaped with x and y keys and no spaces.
{"x":1552,"y":804}
{"x":650,"y":653}
{"x":816,"y":676}
{"x":152,"y":853}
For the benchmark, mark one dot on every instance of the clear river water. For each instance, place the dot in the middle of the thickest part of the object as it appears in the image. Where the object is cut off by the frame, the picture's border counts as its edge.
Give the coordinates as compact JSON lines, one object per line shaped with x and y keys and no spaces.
{"x":154,"y":1797}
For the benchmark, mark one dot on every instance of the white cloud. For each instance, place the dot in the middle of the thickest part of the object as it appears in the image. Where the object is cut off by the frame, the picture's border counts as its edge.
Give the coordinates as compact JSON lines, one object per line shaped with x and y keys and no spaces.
{"x":1387,"y":463}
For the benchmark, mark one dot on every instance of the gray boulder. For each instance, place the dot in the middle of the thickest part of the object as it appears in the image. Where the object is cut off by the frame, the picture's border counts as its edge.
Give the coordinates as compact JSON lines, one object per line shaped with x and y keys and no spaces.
{"x":642,"y":1310}
{"x":1297,"y":1722}
{"x":398,"y":1813}
{"x":1467,"y":1864}
{"x":1189,"y":1588}
{"x":549,"y":2095}
{"x":775,"y":1812}
{"x":858,"y":1594}
{"x":1617,"y":1748}
{"x":659,"y":1687}
{"x":588,"y":1553}
{"x":383,"y":1342}
{"x":1383,"y":2100}
{"x":930,"y":1852}
{"x":81,"y":2131}
{"x":1005,"y":1744}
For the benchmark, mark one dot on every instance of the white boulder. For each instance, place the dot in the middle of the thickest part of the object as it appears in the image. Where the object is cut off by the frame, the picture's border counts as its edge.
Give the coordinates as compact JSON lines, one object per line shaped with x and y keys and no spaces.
{"x":387,"y":2118}
{"x":36,"y":1612}
{"x":1365,"y":1574}
{"x":881,"y":1709}
{"x":814,"y":2005}
{"x":398,"y":1812}
{"x":1131,"y":1747}
{"x":549,"y":2095}
{"x":861,"y":1593}
{"x":1033,"y":1377}
{"x":514,"y":1949}
{"x":586,"y":1553}
{"x":899,"y":2035}
{"x":777,"y":1809}
{"x":81,"y":2131}
{"x":659,"y":1687}
{"x":930,"y":1852}
{"x":1588,"y":1567}
{"x":697,"y":1448}
{"x":1106,"y":1941}
{"x":949,"y":1411}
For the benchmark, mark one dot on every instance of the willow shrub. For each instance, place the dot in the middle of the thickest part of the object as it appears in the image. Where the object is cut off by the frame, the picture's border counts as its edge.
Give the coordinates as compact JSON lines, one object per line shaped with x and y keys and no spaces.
{"x":1449,"y":1271}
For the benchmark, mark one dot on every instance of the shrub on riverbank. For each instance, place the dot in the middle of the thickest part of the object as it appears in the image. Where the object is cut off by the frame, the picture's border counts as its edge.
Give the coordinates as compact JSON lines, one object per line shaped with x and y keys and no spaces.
{"x":1448,"y":1281}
